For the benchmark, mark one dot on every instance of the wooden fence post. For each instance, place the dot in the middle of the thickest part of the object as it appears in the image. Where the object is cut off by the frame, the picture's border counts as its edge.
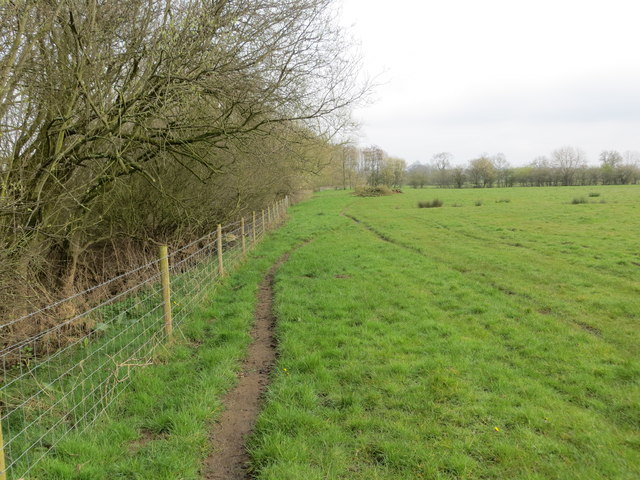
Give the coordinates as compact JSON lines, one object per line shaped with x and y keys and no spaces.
{"x":220,"y":264}
{"x":244,"y":243}
{"x":269,"y":215}
{"x":263,"y":221}
{"x":3,"y":468}
{"x":253,"y":229}
{"x":166,"y":290}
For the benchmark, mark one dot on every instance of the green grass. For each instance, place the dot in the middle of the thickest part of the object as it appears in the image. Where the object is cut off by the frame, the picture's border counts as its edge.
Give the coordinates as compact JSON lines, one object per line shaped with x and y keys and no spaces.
{"x":444,"y":343}
{"x":157,"y":426}
{"x":498,"y":342}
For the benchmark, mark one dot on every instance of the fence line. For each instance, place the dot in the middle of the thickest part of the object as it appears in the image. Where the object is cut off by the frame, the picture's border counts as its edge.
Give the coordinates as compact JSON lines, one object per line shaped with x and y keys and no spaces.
{"x":75,"y":358}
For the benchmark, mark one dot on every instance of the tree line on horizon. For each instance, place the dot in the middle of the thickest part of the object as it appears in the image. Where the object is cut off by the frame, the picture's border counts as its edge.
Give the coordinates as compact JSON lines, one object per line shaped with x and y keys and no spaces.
{"x":564,"y":167}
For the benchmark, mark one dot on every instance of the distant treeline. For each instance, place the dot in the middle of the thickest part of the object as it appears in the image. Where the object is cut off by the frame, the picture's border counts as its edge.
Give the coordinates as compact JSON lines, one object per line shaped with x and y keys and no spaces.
{"x":566,"y":166}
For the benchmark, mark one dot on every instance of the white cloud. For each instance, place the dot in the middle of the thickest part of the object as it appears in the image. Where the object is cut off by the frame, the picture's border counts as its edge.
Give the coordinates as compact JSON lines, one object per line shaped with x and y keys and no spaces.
{"x":497,"y":75}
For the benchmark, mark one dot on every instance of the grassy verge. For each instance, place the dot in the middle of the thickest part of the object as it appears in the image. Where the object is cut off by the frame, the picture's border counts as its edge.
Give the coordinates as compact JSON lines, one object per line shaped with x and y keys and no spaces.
{"x":495,"y":340}
{"x":158,"y":426}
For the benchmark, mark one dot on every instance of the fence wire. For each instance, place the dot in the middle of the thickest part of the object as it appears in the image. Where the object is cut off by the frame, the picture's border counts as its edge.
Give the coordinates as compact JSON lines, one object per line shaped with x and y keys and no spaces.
{"x":64,"y":365}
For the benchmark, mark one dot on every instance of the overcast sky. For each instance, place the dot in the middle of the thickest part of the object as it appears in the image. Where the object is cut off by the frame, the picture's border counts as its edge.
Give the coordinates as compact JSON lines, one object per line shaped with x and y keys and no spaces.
{"x":519,"y":77}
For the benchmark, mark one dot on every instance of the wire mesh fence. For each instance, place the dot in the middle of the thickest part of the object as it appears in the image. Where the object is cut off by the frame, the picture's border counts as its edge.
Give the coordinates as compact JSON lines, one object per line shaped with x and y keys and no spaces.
{"x":65,"y":364}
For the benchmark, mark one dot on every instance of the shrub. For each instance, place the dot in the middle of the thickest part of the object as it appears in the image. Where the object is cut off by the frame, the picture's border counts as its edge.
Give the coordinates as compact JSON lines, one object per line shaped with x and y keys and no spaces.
{"x":594,"y":194}
{"x":578,"y":200}
{"x":478,"y":203}
{"x":371,"y":191}
{"x":436,"y":202}
{"x":504,"y":200}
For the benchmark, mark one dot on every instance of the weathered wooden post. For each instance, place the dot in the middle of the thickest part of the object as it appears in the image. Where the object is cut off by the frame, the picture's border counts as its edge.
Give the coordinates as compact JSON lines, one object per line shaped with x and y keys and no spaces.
{"x":220,"y":264}
{"x":263,"y":221}
{"x":253,"y":229}
{"x":166,"y":291}
{"x":244,"y":243}
{"x":3,"y":468}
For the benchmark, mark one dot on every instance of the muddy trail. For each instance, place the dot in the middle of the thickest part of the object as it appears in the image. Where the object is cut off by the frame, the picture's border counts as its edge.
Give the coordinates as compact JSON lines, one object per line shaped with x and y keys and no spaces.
{"x":229,"y":458}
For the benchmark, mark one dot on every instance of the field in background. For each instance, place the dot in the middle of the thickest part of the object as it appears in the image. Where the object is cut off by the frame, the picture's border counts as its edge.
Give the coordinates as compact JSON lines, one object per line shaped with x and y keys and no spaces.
{"x":494,"y":337}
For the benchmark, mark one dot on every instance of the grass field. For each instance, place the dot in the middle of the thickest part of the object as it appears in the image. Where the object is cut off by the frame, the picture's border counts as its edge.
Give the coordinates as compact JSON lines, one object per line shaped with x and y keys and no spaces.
{"x":495,"y":339}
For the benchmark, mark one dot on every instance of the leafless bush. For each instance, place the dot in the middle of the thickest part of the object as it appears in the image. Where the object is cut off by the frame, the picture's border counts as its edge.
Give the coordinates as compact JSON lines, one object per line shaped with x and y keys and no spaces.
{"x":371,"y":191}
{"x":435,"y":203}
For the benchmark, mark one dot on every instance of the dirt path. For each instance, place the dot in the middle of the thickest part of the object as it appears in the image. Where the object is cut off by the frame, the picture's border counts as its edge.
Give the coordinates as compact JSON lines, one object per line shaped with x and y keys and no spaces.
{"x":229,"y":457}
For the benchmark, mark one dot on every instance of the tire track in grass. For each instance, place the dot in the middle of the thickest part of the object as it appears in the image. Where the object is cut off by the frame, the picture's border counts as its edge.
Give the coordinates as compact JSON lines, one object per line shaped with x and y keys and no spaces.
{"x":594,"y":331}
{"x":229,"y":459}
{"x":382,"y":236}
{"x":460,"y":269}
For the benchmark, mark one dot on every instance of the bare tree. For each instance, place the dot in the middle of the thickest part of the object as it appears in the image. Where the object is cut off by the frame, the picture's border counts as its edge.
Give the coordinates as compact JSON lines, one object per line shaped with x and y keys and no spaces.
{"x":503,"y":170}
{"x":99,"y":96}
{"x":373,"y":159}
{"x":567,"y":161}
{"x":441,"y":163}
